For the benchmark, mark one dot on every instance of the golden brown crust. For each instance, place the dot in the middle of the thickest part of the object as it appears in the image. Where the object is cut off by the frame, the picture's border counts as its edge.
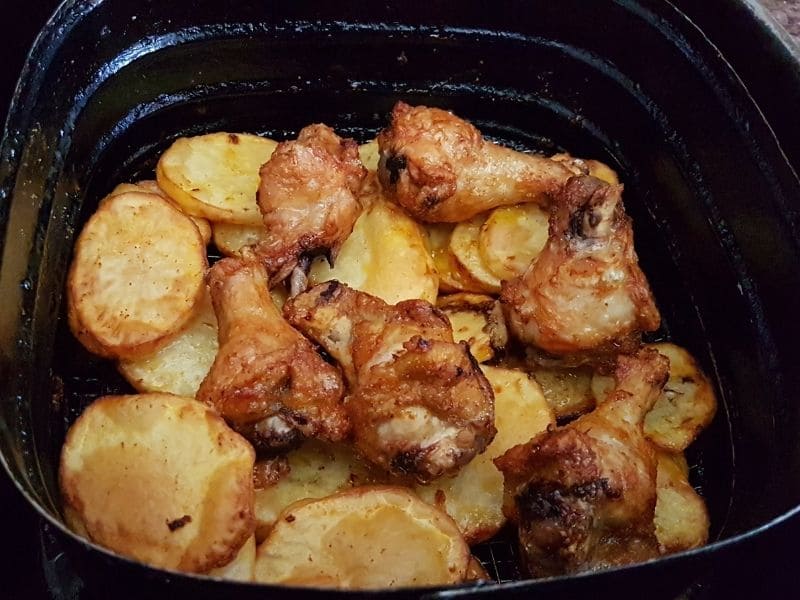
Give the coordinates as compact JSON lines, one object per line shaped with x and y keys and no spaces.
{"x":267,"y":379}
{"x":584,"y":495}
{"x":308,"y":198}
{"x":130,"y":478}
{"x":585,"y":298}
{"x":441,"y":169}
{"x":418,"y":402}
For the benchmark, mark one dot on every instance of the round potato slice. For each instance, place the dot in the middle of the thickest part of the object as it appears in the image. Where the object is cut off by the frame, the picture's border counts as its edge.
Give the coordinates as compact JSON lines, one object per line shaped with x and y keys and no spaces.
{"x":474,"y":496}
{"x":477,"y":320}
{"x":151,"y":186}
{"x":384,"y":256}
{"x":568,"y":391}
{"x":316,"y":470}
{"x":685,"y":407}
{"x":512,"y":237}
{"x":452,"y":277}
{"x":230,"y":238}
{"x":136,"y":275}
{"x":180,"y":366}
{"x":161,"y":479}
{"x":464,"y":244}
{"x":241,"y":567}
{"x":216,"y":175}
{"x":681,"y":517}
{"x":365,"y":538}
{"x":369,"y":154}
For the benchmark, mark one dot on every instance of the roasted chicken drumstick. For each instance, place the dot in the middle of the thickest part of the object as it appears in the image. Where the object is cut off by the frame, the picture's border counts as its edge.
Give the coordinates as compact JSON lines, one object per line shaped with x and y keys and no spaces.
{"x":418,"y":402}
{"x":308,"y":198}
{"x":441,"y":169}
{"x":584,"y":297}
{"x":584,"y":495}
{"x":267,"y":380}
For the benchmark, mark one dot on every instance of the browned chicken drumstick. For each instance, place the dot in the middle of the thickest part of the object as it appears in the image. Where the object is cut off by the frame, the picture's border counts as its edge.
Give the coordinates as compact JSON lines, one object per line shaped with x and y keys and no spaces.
{"x":267,"y":379}
{"x":308,"y":198}
{"x":585,"y":297}
{"x":441,"y":169}
{"x":584,"y":495}
{"x":418,"y":402}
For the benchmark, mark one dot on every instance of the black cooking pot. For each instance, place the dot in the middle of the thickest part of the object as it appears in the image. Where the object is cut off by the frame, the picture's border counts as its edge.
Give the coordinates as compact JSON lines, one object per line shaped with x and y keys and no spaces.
{"x":109,"y":84}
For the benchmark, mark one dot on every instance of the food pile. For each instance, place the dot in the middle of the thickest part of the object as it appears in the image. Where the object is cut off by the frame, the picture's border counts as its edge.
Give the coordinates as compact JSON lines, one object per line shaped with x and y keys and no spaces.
{"x":407,"y":345}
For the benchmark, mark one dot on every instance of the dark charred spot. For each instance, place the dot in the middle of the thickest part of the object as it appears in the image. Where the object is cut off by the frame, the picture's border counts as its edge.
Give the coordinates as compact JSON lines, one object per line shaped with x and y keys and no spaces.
{"x":430,"y":201}
{"x":423,"y":344}
{"x":330,"y":290}
{"x":550,"y":501}
{"x":406,"y":461}
{"x":576,"y":220}
{"x":178,"y":523}
{"x":394,"y":164}
{"x":289,"y":518}
{"x":459,"y":372}
{"x":233,"y":138}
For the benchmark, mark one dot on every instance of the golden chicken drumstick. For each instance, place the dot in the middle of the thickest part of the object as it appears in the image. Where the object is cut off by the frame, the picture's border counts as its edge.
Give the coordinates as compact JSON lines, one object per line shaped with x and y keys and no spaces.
{"x":585,"y":297}
{"x":418,"y":402}
{"x":267,"y":379}
{"x":441,"y":169}
{"x":308,"y":198}
{"x":584,"y":495}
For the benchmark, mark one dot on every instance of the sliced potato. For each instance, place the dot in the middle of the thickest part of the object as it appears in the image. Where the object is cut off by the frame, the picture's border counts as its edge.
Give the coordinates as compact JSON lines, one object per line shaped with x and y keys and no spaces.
{"x":681,"y":517}
{"x":465,"y":246}
{"x":369,"y":154}
{"x":136,"y":275}
{"x":180,"y":366}
{"x":581,"y":166}
{"x":365,"y":538}
{"x":216,"y":175}
{"x":568,"y":391}
{"x":477,"y":320}
{"x":385,"y":256}
{"x":452,"y":277}
{"x":512,"y":237}
{"x":230,"y":238}
{"x":685,"y":407}
{"x":151,"y":186}
{"x":316,"y":470}
{"x":474,"y":496}
{"x":476,"y":572}
{"x":241,"y":567}
{"x":161,"y":479}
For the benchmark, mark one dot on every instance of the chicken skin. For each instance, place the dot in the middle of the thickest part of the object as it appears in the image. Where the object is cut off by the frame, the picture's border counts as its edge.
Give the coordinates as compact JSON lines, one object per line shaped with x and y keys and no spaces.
{"x":419,"y":404}
{"x":308,"y":198}
{"x":584,"y":495}
{"x":584,"y":298}
{"x":267,"y":380}
{"x":440,"y":168}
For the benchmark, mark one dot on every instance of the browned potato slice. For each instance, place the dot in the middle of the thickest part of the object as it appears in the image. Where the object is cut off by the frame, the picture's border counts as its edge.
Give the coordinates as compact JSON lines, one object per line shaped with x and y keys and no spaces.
{"x":230,"y":238}
{"x":476,"y":572}
{"x":316,"y":470}
{"x":568,"y":391}
{"x":464,"y":244}
{"x":512,"y":237}
{"x":216,"y":175}
{"x":384,"y":256}
{"x":241,"y":567}
{"x":685,"y":407}
{"x":151,"y":186}
{"x":581,"y":166}
{"x":681,"y":517}
{"x":477,"y":320}
{"x":365,"y":538}
{"x":369,"y":155}
{"x":452,"y":276}
{"x":161,"y":479}
{"x":474,"y":496}
{"x":136,"y":275}
{"x":180,"y":366}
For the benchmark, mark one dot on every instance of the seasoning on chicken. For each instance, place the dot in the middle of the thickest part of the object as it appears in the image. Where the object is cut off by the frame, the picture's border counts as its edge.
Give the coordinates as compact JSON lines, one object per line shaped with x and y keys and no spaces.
{"x":308,"y":198}
{"x":584,"y":298}
{"x":584,"y":495}
{"x":267,"y":379}
{"x":441,"y":169}
{"x":418,"y":402}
